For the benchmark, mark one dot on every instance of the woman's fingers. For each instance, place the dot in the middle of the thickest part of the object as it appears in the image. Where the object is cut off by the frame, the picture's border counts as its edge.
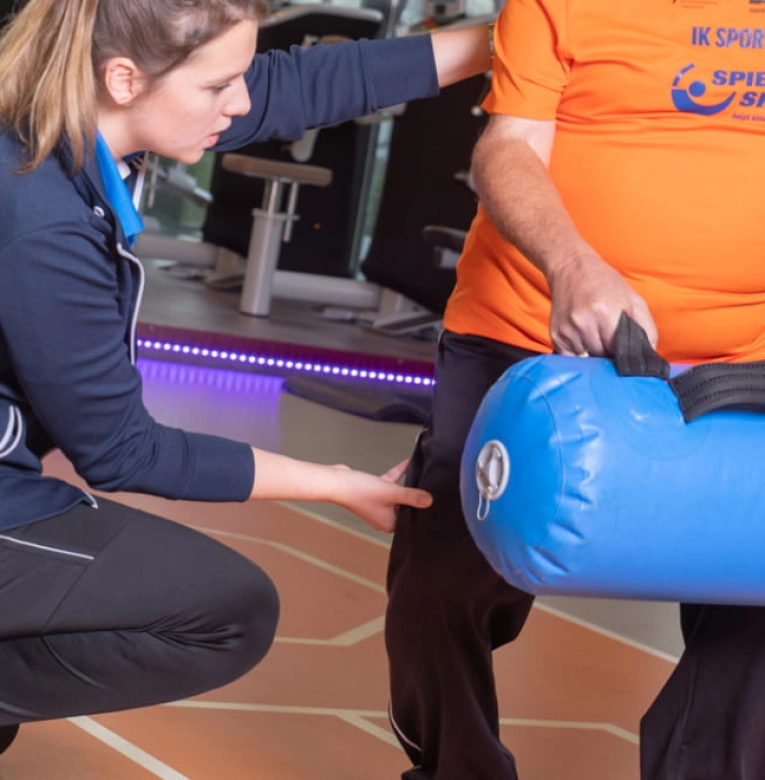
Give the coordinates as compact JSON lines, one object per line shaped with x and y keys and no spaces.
{"x":395,"y":473}
{"x":408,"y":496}
{"x":420,"y":499}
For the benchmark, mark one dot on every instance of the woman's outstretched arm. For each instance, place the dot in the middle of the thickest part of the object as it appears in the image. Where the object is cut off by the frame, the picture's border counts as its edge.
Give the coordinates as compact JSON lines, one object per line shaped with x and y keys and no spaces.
{"x":460,"y":54}
{"x":374,"y":499}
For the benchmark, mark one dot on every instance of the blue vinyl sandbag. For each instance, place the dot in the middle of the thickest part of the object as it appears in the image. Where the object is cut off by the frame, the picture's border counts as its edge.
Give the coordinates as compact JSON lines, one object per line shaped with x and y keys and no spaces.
{"x":577,"y":481}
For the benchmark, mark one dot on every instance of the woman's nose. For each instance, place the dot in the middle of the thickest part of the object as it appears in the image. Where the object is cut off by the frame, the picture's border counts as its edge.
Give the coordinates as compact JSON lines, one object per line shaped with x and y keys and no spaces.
{"x":240,"y":99}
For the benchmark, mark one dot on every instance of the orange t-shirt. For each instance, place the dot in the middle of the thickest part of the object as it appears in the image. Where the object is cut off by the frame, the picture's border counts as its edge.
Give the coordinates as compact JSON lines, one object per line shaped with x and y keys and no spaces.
{"x":659,"y":156}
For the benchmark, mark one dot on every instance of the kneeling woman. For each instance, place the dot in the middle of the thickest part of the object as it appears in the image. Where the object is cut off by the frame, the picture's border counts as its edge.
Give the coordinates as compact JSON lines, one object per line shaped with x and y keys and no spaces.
{"x":104,"y":607}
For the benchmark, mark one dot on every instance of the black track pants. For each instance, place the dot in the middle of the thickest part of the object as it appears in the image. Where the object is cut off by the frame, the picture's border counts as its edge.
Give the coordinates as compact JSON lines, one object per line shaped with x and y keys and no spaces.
{"x":448,"y":609}
{"x":708,"y":722}
{"x":111,"y":608}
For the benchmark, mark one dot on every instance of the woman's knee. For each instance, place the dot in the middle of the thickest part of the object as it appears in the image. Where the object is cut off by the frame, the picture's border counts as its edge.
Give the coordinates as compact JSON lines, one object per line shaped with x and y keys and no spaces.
{"x":226,"y":620}
{"x":249,"y":621}
{"x":264,"y":616}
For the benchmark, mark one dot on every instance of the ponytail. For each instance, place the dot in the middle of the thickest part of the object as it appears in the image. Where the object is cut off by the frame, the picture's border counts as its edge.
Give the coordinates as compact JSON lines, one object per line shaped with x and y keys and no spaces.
{"x":53,"y":51}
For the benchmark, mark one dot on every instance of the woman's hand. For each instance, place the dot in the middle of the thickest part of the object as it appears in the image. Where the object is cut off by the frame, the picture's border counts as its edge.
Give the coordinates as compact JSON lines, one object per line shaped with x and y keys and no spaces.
{"x":588,"y":298}
{"x":375,"y":499}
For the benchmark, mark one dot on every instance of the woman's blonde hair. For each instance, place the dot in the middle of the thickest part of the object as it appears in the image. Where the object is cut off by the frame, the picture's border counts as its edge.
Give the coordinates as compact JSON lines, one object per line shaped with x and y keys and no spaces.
{"x":53,"y":52}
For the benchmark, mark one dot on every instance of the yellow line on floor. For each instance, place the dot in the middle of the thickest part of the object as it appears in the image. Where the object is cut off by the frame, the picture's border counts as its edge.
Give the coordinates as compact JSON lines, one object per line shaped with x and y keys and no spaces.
{"x":347,"y":639}
{"x":355,"y":635}
{"x":127,"y":749}
{"x":371,"y":728}
{"x":380,"y":541}
{"x":605,"y":632}
{"x":280,"y":709}
{"x":355,"y":716}
{"x":295,"y":553}
{"x":617,"y":731}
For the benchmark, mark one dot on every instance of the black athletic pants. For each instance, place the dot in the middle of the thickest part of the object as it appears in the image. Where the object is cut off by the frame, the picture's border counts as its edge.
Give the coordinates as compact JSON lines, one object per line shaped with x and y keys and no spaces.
{"x":708,"y":722}
{"x":111,"y":608}
{"x":448,"y":610}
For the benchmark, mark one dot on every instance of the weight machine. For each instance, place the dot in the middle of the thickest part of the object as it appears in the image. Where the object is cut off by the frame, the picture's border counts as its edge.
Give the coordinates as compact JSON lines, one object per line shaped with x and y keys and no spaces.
{"x":270,"y":196}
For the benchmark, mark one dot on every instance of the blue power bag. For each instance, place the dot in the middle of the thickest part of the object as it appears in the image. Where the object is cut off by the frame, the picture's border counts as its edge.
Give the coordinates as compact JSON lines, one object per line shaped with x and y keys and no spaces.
{"x":577,"y":480}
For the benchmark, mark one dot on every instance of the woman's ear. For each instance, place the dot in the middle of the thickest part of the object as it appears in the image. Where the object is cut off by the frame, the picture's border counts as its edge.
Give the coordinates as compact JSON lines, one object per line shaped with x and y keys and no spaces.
{"x":123,"y":80}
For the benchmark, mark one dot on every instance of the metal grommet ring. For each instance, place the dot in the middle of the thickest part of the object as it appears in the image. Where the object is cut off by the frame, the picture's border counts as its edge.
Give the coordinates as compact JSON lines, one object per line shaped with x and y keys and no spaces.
{"x":492,"y":471}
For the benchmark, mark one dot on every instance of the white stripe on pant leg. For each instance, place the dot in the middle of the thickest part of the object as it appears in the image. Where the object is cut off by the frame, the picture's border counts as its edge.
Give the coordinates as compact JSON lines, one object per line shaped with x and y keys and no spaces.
{"x":398,"y":730}
{"x":46,"y":548}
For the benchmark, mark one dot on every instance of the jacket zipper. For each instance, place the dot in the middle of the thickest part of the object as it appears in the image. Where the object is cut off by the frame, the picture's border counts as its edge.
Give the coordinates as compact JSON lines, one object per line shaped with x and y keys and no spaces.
{"x":139,"y":297}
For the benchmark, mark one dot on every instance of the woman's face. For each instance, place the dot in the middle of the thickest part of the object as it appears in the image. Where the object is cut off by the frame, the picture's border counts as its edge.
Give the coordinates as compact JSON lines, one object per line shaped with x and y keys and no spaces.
{"x":185,"y":112}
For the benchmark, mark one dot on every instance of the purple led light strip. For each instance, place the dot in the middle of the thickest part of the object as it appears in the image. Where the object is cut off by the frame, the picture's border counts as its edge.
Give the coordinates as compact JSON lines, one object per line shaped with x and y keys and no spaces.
{"x":228,"y":357}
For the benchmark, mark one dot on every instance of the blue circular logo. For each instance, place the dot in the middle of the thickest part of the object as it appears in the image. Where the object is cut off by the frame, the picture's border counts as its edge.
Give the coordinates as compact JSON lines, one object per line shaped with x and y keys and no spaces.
{"x":685,"y":98}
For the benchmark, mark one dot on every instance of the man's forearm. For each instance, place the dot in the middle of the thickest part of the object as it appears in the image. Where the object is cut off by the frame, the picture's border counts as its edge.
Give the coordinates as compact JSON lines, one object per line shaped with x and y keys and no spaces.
{"x":522,"y":202}
{"x":588,"y":296}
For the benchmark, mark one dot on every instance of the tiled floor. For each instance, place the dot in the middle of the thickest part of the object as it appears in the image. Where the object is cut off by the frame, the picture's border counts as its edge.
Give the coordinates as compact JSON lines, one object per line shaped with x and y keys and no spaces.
{"x":571,"y":695}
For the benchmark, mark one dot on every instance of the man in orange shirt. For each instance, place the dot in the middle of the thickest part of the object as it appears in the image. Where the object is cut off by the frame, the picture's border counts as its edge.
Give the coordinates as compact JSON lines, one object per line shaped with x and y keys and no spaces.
{"x":621,"y":171}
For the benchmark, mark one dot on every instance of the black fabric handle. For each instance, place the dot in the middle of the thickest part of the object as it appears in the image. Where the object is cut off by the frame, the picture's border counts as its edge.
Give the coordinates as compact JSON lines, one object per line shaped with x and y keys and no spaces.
{"x":633,"y":353}
{"x":699,"y":390}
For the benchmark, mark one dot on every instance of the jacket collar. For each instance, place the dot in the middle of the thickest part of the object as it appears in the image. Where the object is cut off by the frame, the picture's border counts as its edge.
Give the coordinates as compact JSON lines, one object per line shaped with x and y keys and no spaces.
{"x":89,"y":183}
{"x":117,"y":192}
{"x":87,"y":180}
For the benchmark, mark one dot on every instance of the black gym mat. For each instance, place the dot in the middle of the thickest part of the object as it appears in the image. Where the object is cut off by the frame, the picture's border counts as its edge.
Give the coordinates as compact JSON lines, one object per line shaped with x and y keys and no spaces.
{"x":389,"y":403}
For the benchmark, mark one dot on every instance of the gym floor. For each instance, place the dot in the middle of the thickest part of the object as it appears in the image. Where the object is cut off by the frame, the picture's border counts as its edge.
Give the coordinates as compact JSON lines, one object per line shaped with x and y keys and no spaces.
{"x":571,"y":690}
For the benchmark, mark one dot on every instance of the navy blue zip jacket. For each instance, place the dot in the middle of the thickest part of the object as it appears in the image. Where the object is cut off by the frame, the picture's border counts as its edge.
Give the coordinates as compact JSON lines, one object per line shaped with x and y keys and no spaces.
{"x":70,"y":290}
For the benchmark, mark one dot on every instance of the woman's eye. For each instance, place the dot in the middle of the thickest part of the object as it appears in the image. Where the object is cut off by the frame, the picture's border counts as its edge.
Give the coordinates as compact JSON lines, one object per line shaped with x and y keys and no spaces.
{"x":220,"y":87}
